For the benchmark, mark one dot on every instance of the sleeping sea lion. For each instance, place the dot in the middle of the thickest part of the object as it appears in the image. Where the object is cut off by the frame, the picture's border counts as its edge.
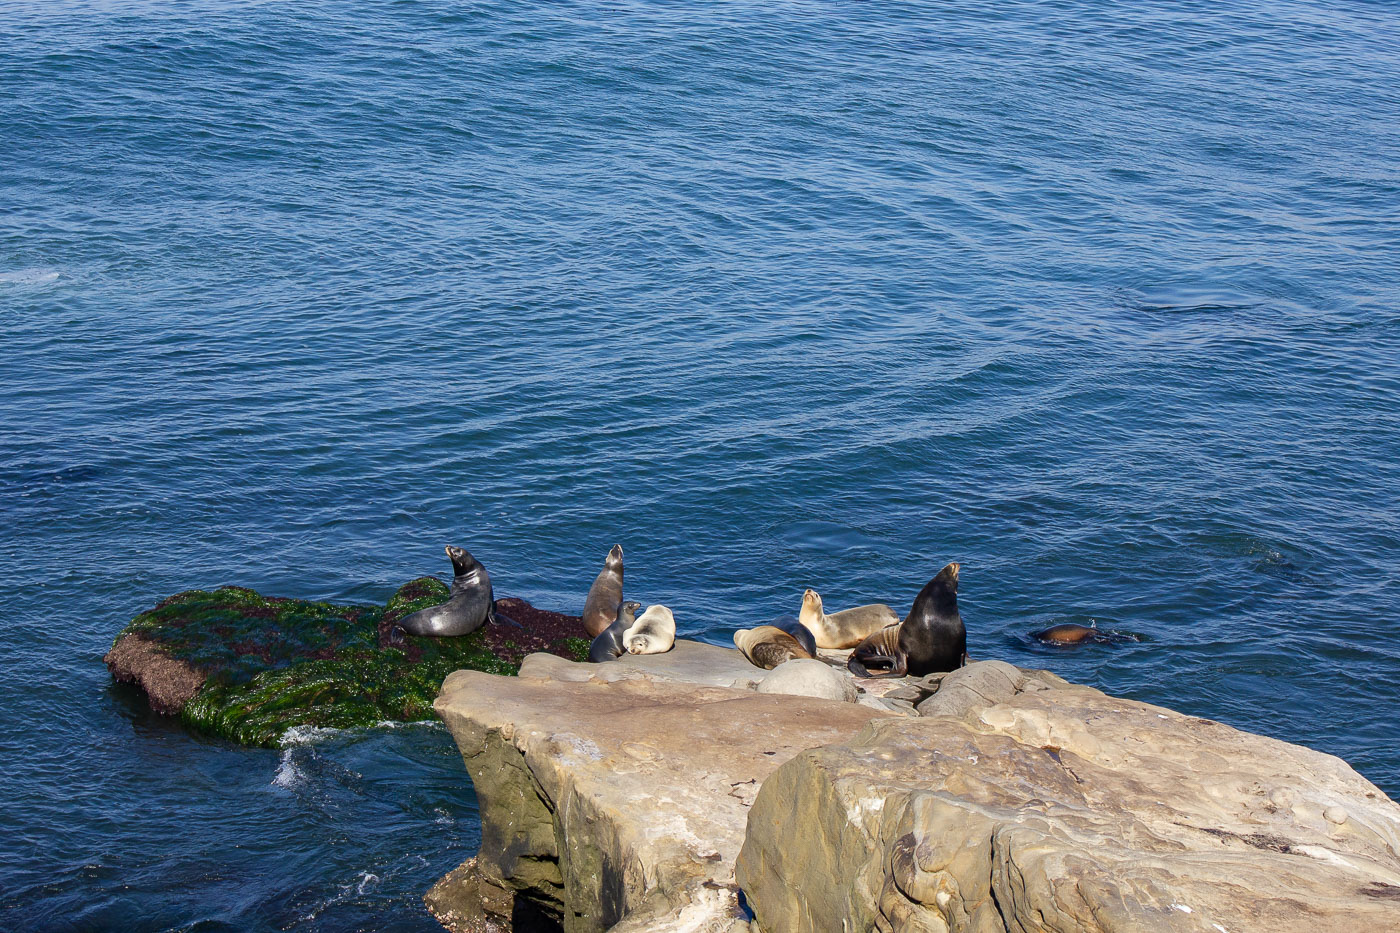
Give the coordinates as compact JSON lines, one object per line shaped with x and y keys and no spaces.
{"x":608,"y":645}
{"x":846,"y":628}
{"x":767,"y":646}
{"x":604,"y":596}
{"x":929,"y":640}
{"x":469,"y":605}
{"x":654,"y":632}
{"x":796,"y":629}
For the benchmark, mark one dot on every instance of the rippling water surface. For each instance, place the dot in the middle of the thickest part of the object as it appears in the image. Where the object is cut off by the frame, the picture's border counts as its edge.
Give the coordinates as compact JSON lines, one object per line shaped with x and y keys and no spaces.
{"x":1103,"y":303}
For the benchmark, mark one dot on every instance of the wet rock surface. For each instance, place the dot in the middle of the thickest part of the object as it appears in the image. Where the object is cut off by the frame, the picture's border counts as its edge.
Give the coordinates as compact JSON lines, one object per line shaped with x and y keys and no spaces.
{"x":249,"y":667}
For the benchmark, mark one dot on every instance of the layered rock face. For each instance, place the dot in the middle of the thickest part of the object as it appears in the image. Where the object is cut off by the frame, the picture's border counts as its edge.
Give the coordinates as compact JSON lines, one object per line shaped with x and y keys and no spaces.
{"x":615,"y":796}
{"x":1017,"y":802}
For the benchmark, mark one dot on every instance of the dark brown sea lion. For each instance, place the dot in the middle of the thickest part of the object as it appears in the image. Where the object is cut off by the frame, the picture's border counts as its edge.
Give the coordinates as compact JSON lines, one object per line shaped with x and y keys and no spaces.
{"x":605,"y":595}
{"x":608,"y":645}
{"x":931,"y":639}
{"x":470,"y":604}
{"x":767,"y":646}
{"x":794,"y":627}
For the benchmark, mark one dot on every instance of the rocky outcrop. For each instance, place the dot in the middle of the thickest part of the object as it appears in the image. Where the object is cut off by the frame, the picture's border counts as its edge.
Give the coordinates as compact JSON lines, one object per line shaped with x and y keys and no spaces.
{"x":249,"y":667}
{"x":615,"y":796}
{"x":645,"y":794}
{"x":1019,"y":802}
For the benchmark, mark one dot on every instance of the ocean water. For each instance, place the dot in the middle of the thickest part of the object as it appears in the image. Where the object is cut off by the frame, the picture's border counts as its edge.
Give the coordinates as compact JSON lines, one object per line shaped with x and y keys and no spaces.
{"x":1102,"y":302}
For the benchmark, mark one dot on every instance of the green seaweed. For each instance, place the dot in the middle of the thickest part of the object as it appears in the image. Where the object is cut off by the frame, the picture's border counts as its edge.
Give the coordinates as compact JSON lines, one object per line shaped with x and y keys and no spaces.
{"x":577,"y":648}
{"x":276,"y":663}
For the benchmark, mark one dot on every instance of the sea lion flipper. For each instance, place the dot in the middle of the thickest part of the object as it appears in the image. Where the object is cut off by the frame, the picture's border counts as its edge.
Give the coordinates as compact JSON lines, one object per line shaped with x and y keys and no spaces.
{"x":497,"y":617}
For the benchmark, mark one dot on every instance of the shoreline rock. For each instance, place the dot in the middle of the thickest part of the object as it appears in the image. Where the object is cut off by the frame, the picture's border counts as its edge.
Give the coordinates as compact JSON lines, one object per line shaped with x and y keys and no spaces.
{"x":616,"y":797}
{"x":648,"y":795}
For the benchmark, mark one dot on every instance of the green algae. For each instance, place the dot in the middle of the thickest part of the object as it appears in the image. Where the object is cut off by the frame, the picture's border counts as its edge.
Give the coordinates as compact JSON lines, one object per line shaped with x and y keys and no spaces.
{"x":275,"y":663}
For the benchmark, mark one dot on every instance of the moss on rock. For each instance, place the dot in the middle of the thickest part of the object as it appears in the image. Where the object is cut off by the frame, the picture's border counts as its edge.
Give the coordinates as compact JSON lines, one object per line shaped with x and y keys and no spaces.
{"x":271,"y":663}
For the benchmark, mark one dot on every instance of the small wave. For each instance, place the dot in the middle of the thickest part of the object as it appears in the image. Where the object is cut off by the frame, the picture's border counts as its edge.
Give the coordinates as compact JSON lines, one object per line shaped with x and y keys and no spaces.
{"x":308,"y":735}
{"x":367,"y":882}
{"x":288,"y":774}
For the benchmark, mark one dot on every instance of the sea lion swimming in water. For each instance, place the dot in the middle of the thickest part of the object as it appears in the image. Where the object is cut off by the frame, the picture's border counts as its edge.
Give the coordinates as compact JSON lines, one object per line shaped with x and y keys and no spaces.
{"x":654,"y":632}
{"x":931,"y":638}
{"x":846,"y":628}
{"x":1072,"y":633}
{"x":469,"y":605}
{"x":608,"y":646}
{"x":767,"y":646}
{"x":605,"y":595}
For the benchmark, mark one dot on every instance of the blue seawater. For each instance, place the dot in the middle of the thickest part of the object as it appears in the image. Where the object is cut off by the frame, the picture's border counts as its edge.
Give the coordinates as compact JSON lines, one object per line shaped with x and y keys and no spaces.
{"x":1102,"y":300}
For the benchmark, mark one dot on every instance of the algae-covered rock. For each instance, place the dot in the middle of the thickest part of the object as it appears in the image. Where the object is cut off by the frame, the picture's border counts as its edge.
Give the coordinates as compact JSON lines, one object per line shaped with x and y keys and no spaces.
{"x":249,"y":667}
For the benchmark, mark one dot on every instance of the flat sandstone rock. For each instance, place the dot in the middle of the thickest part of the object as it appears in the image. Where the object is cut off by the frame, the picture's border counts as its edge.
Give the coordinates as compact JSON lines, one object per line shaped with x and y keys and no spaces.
{"x":622,"y":802}
{"x":1019,"y":804}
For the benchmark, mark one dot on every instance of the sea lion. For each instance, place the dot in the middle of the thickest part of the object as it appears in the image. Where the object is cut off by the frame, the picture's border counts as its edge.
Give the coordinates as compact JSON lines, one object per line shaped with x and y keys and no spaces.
{"x":654,"y":632}
{"x":605,"y":595}
{"x":767,"y":646}
{"x":796,"y":629}
{"x":1072,"y":633}
{"x":846,"y":628}
{"x":608,"y":645}
{"x":469,"y":605}
{"x":931,"y":638}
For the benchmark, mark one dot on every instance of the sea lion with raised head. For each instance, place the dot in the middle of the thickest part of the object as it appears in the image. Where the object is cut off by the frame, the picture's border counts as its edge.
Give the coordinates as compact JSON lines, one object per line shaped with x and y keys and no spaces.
{"x":608,"y":645}
{"x":470,"y":604}
{"x":654,"y":632}
{"x":767,"y":646}
{"x":605,"y":595}
{"x":844,"y":629}
{"x":796,"y":629}
{"x":931,"y":638}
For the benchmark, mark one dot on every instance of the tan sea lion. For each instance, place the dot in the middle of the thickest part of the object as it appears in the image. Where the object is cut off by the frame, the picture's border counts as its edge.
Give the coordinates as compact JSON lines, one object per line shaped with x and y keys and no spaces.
{"x":654,"y":632}
{"x":846,"y":628}
{"x":605,"y":595}
{"x":931,"y":638}
{"x":767,"y":646}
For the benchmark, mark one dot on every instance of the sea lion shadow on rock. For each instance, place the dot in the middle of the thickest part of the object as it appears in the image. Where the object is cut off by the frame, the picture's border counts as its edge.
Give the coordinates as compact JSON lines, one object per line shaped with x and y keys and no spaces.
{"x":470,"y":604}
{"x":930,"y":640}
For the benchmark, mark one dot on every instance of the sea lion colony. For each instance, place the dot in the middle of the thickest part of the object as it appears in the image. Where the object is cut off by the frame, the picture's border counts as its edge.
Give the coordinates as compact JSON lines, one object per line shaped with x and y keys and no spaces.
{"x":930,"y":639}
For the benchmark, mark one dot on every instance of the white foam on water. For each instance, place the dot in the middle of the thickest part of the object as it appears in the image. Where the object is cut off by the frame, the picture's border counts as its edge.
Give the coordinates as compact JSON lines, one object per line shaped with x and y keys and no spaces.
{"x":288,"y":774}
{"x":28,"y":277}
{"x":308,"y":735}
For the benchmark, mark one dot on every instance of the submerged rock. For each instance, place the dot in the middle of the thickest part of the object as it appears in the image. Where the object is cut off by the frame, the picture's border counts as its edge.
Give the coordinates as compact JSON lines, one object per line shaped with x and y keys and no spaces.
{"x":249,"y":667}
